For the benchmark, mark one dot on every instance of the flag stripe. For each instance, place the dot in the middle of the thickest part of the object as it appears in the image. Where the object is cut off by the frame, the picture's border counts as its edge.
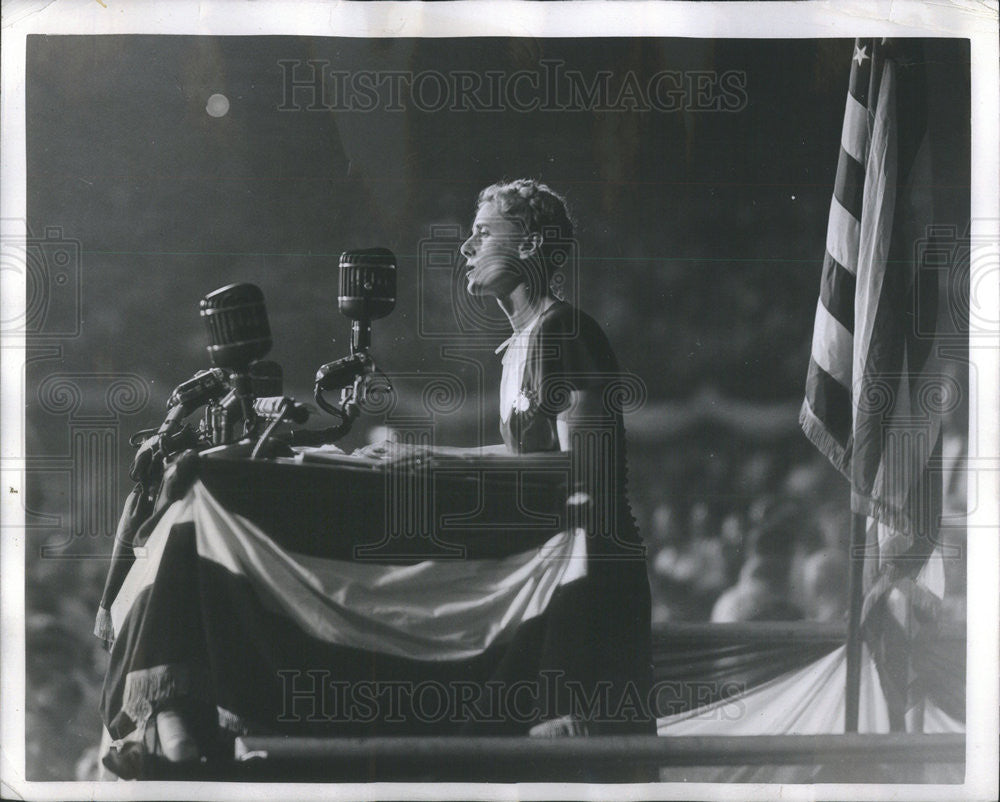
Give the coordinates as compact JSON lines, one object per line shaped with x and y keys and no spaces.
{"x":854,"y":135}
{"x":843,"y":236}
{"x":837,"y":290}
{"x":849,"y":186}
{"x":875,"y":238}
{"x":269,"y":674}
{"x":830,"y":403}
{"x":208,"y":632}
{"x":832,"y":346}
{"x":445,"y":610}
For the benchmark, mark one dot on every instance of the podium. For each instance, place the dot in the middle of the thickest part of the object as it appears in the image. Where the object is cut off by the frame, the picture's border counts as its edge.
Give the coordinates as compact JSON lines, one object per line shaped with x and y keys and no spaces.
{"x":446,"y":508}
{"x":329,"y":595}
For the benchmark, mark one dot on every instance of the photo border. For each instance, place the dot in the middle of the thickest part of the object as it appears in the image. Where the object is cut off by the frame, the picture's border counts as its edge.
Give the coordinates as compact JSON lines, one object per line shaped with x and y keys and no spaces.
{"x":975,"y":21}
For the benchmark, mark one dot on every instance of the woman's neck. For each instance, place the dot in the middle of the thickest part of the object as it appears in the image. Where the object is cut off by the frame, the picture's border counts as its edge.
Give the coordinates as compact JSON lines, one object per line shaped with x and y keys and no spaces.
{"x":522,"y":306}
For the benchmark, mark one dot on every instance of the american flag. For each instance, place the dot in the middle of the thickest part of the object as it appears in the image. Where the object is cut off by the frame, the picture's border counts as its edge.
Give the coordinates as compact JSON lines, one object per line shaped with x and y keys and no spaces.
{"x":873,"y":394}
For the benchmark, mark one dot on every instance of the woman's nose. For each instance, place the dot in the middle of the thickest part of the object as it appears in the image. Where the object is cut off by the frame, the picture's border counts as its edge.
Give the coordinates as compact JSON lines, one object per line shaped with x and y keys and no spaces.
{"x":467,"y":250}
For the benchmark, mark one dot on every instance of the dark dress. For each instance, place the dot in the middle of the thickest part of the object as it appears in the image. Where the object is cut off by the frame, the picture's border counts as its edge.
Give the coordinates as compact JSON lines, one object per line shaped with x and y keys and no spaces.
{"x":567,"y":351}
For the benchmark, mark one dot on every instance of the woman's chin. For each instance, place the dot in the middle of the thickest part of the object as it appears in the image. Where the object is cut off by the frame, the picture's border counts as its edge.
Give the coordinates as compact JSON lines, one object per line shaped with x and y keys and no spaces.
{"x":478,"y":290}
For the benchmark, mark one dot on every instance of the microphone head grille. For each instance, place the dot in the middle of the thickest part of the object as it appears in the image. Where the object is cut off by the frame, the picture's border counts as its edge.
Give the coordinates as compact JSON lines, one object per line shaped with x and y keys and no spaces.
{"x":367,"y":283}
{"x":238,"y":329}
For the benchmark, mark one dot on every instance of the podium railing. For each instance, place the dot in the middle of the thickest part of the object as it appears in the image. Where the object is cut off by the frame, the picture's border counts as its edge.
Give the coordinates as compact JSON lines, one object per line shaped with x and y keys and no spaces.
{"x":607,"y":758}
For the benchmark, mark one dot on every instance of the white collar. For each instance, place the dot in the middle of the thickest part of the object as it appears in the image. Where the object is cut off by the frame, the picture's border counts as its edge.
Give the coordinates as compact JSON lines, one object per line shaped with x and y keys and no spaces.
{"x":526,"y":329}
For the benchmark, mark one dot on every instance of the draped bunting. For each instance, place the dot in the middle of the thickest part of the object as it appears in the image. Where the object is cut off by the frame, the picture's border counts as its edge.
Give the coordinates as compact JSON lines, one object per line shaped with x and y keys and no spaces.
{"x":805,"y":701}
{"x":222,"y":617}
{"x":451,"y":611}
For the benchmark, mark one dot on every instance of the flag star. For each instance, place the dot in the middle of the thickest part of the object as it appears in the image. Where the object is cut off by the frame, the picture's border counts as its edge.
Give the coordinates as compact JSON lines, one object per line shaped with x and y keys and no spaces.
{"x":860,"y":54}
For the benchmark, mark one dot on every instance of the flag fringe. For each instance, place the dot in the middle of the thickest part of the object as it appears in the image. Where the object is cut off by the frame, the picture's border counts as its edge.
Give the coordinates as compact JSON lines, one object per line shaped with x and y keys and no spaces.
{"x":925,"y":603}
{"x":146,"y":689}
{"x":900,"y":521}
{"x":103,"y":628}
{"x":232,"y":722}
{"x":818,"y":435}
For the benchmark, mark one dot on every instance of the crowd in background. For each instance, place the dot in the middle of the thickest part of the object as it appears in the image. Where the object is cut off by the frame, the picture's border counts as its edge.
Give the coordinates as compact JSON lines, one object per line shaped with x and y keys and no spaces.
{"x":759,"y":532}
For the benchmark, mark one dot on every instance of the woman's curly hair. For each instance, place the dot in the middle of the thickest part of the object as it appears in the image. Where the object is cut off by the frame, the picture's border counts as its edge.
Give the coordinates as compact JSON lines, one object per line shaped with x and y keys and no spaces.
{"x":541,"y":210}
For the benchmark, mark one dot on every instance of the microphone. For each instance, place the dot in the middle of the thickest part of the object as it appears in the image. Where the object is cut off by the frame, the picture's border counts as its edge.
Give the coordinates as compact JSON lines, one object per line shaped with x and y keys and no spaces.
{"x":277,"y":409}
{"x":239,"y":333}
{"x":204,"y":386}
{"x":367,"y":291}
{"x":171,"y":437}
{"x":281,"y":407}
{"x":265,"y":381}
{"x":237,"y":325}
{"x":342,"y":372}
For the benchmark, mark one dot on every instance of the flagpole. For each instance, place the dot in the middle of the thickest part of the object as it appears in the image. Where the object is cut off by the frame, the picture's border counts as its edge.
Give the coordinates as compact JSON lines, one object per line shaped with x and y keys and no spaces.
{"x":856,"y":562}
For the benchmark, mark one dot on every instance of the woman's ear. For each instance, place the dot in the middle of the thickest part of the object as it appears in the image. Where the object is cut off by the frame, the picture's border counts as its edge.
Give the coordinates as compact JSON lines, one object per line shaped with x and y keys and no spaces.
{"x":531,"y":245}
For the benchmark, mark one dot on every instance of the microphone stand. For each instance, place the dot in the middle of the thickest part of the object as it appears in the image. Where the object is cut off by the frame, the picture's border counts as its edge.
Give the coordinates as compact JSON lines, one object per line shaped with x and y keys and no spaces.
{"x":243,"y":392}
{"x":351,"y":374}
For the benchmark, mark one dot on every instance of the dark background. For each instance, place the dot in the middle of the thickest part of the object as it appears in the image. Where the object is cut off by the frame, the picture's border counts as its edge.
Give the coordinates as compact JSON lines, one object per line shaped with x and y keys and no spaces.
{"x":700,"y":242}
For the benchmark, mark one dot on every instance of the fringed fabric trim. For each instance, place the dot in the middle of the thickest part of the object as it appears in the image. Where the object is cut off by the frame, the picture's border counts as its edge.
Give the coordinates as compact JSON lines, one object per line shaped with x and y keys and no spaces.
{"x":564,"y":726}
{"x":820,"y":437}
{"x":145,"y":690}
{"x":103,"y":627}
{"x":231,"y":722}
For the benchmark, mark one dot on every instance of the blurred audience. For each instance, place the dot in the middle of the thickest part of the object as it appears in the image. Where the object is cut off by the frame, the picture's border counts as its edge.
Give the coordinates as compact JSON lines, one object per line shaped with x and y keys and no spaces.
{"x":763,"y":591}
{"x":824,"y":580}
{"x":757,"y":533}
{"x":689,"y":566}
{"x":761,"y":594}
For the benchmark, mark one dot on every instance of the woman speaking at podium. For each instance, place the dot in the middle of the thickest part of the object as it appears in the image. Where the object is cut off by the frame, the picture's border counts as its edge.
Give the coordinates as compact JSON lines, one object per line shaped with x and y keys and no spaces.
{"x":221,"y":614}
{"x":559,"y":391}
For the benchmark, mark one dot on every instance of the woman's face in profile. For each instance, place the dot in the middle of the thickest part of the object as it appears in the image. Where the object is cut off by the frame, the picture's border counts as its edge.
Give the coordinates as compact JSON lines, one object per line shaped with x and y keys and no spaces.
{"x":494,"y":258}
